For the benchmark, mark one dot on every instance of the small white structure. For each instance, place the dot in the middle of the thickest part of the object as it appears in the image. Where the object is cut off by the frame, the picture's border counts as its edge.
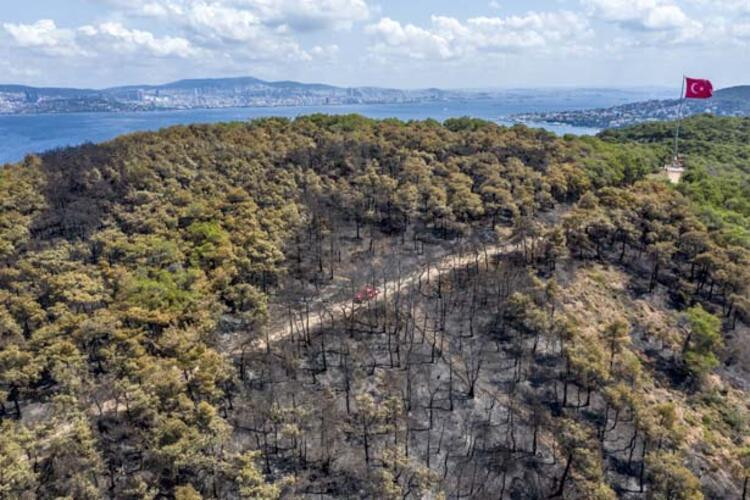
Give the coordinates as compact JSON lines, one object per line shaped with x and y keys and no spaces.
{"x":674,"y":170}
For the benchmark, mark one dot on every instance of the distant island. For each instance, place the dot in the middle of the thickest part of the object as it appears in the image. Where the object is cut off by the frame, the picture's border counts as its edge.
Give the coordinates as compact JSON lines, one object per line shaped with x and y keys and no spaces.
{"x":206,"y":93}
{"x":731,"y":101}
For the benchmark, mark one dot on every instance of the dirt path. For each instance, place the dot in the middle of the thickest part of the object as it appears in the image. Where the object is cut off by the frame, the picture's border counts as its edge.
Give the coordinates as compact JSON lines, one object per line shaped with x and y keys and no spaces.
{"x":335,"y":311}
{"x":345,"y":308}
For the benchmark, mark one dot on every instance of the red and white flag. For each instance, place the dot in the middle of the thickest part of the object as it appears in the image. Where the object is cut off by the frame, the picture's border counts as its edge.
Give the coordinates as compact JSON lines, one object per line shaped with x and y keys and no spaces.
{"x":696,"y":88}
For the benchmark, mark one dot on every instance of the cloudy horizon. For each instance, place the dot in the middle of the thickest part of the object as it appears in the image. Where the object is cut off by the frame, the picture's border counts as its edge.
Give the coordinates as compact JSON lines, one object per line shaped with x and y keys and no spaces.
{"x":471,"y":44}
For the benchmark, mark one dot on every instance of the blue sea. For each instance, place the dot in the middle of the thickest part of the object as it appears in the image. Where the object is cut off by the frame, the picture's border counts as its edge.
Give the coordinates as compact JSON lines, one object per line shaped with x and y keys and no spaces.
{"x":23,"y":134}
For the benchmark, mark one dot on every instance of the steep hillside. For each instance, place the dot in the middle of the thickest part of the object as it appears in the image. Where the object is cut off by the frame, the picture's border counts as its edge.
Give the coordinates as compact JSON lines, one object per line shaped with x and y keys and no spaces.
{"x":336,"y":307}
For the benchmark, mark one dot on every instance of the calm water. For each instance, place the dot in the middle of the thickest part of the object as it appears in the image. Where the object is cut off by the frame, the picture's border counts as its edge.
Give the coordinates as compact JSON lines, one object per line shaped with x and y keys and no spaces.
{"x":22,"y":134}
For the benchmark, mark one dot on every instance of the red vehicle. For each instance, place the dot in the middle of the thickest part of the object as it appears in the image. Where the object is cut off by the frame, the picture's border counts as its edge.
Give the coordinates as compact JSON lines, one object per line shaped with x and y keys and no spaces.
{"x":365,"y":294}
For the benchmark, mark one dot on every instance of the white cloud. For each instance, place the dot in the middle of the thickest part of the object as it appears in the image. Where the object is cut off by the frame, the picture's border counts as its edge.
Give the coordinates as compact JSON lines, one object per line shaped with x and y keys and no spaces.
{"x":222,"y":23}
{"x":645,"y":15}
{"x":105,"y":39}
{"x":44,"y":36}
{"x":449,"y":38}
{"x":119,"y":39}
{"x":249,"y":30}
{"x":662,"y":22}
{"x":311,"y":14}
{"x":327,"y":51}
{"x":297,"y":15}
{"x":242,"y":33}
{"x":532,"y":30}
{"x":412,"y":41}
{"x":733,"y":6}
{"x":212,"y":33}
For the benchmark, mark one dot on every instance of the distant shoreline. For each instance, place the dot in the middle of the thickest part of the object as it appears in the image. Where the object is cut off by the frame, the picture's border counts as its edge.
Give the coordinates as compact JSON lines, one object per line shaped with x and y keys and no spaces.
{"x":248,"y":92}
{"x":219,"y":108}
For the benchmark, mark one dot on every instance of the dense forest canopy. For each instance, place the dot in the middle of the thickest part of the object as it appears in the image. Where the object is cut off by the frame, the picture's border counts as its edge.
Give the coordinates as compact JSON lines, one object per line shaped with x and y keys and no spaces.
{"x":177,"y":321}
{"x":716,"y":154}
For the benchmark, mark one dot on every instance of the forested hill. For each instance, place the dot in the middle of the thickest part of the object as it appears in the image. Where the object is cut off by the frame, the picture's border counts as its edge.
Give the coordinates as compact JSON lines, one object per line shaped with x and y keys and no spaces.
{"x":716,"y":153}
{"x":182,"y":316}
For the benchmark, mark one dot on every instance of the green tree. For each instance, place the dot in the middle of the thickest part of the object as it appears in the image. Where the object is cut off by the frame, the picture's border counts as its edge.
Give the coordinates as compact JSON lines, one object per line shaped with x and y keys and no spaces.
{"x":251,"y":482}
{"x":19,"y":369}
{"x":582,"y":461}
{"x":17,"y":475}
{"x":670,"y":479}
{"x":702,"y":342}
{"x":186,"y":492}
{"x":71,"y":466}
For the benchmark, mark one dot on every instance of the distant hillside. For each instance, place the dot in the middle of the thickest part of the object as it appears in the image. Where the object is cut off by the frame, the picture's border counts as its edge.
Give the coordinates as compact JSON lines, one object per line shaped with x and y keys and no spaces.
{"x":203,"y":93}
{"x":732,"y":101}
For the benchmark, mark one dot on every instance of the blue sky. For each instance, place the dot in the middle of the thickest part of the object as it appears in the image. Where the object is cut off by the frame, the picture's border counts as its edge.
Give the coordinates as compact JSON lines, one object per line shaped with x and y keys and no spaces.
{"x":406,"y":43}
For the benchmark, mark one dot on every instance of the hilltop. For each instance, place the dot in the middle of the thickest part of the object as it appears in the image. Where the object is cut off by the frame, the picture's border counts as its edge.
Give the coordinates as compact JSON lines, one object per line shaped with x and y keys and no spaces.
{"x":732,"y":101}
{"x":181,"y":317}
{"x":716,"y":153}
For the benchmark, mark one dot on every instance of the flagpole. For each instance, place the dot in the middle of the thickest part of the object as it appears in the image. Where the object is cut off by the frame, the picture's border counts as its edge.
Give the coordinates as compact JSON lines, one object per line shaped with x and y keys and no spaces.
{"x":679,"y":119}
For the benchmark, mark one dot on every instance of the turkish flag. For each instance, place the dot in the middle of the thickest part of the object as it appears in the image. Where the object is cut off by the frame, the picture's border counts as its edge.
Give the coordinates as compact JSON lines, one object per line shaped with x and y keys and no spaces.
{"x":698,"y":89}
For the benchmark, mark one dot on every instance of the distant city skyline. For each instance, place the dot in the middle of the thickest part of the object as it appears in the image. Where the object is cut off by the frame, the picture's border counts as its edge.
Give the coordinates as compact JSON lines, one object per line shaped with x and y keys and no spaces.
{"x":416,"y":44}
